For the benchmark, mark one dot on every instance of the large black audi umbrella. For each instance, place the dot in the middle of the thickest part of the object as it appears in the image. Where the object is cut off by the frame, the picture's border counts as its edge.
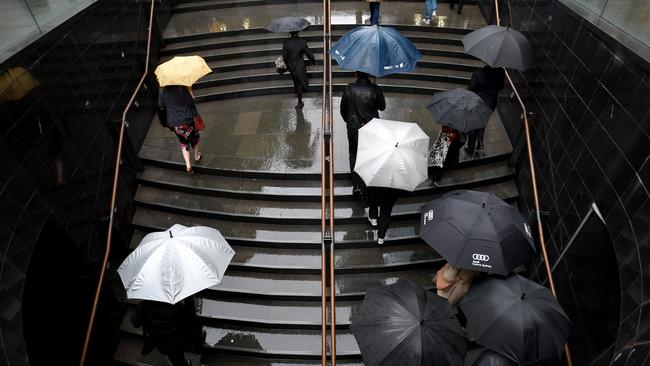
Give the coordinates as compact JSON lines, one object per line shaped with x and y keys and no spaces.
{"x":287,"y":24}
{"x":500,"y":47}
{"x":403,"y":324}
{"x":477,"y":231}
{"x":517,"y":318}
{"x":459,"y":109}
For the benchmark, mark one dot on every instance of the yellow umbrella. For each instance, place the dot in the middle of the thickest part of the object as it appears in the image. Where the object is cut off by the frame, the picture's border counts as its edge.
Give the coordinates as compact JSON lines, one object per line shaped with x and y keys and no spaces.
{"x":15,"y":82}
{"x":182,"y":70}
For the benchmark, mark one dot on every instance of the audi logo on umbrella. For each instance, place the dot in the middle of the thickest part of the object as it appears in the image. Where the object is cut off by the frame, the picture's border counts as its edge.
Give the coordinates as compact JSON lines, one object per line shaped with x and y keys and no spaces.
{"x":480,"y":257}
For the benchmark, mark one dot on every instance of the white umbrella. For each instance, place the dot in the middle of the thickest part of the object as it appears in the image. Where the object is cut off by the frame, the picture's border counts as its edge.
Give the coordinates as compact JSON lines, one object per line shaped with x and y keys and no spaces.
{"x":171,"y":265}
{"x":392,"y":154}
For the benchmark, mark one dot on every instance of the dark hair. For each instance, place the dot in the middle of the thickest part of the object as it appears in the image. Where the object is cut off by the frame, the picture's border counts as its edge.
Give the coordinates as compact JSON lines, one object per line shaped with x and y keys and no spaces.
{"x":362,"y":75}
{"x":294,"y":33}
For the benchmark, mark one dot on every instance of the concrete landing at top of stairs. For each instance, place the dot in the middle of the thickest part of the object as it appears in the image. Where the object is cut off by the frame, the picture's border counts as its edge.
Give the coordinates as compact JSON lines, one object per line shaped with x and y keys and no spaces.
{"x":269,"y":134}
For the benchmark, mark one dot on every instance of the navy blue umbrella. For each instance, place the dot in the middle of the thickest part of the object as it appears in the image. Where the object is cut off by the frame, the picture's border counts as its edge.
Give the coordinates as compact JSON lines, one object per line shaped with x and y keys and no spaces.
{"x":375,"y":50}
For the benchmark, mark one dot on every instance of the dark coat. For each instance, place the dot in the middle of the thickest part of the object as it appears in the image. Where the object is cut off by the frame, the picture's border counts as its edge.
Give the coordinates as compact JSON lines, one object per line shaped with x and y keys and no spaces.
{"x":487,"y":82}
{"x":179,"y":105}
{"x":294,"y":50}
{"x":361,"y":102}
{"x":171,"y":328}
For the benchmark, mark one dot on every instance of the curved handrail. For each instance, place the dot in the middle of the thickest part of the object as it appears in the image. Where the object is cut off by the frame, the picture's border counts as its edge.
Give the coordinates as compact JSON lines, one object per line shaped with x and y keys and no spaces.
{"x":327,"y":196}
{"x":533,"y":180}
{"x":118,"y":160}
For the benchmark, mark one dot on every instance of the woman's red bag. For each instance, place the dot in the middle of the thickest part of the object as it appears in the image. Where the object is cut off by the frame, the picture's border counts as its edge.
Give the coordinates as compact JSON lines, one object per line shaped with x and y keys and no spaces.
{"x":198,"y":123}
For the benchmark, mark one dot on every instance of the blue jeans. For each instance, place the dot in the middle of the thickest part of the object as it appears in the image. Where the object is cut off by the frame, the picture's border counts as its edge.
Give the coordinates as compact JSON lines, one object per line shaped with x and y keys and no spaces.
{"x":374,"y":12}
{"x":430,"y":5}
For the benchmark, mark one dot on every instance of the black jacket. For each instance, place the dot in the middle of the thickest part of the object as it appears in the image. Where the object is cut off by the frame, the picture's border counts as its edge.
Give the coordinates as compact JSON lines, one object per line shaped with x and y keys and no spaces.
{"x":487,"y":82}
{"x":361,"y":102}
{"x":179,"y":105}
{"x":294,"y":51}
{"x":170,"y":328}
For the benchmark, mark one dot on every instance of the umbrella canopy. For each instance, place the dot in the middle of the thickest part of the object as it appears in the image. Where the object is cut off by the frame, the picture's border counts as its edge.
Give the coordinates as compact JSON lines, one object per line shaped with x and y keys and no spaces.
{"x":459,"y":109}
{"x":477,"y":231}
{"x":500,"y":47}
{"x":287,"y":24}
{"x":171,"y":265}
{"x":517,"y":318}
{"x":392,"y":154}
{"x":486,"y":357}
{"x":15,"y":83}
{"x":182,"y":70}
{"x":403,"y":324}
{"x":375,"y":50}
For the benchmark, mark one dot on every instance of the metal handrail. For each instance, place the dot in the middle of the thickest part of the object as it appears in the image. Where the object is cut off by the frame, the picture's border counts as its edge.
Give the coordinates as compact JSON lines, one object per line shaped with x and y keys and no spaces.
{"x":118,"y":160}
{"x":327,"y":196}
{"x":533,"y":179}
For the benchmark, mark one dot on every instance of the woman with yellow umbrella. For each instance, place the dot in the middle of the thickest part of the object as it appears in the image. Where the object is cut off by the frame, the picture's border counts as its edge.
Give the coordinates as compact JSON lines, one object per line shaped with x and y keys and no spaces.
{"x":176,"y":77}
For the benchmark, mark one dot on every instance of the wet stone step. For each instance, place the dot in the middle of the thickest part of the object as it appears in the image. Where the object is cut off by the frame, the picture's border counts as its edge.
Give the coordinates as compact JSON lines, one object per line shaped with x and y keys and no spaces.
{"x":268,"y":341}
{"x":256,"y":37}
{"x":130,"y":346}
{"x":280,"y":212}
{"x":275,"y":49}
{"x":289,"y":235}
{"x":306,"y":190}
{"x":266,"y":74}
{"x":285,"y":86}
{"x":441,"y":63}
{"x":273,"y":312}
{"x":371,"y":258}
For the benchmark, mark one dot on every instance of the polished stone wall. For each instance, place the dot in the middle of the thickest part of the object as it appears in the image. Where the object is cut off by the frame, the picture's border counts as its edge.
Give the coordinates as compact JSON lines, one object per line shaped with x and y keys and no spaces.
{"x":588,"y":96}
{"x":61,"y":102}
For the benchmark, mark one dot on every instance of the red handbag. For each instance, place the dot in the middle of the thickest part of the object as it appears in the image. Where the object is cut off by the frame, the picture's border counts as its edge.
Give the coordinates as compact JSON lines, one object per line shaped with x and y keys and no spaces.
{"x":198,"y":123}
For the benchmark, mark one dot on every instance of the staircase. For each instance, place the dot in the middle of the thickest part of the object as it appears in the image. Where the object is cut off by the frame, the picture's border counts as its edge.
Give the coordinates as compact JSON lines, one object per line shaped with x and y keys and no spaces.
{"x":267,"y":309}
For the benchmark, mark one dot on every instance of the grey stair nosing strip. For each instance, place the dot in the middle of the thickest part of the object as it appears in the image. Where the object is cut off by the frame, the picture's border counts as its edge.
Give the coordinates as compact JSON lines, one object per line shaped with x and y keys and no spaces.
{"x":271,"y":64}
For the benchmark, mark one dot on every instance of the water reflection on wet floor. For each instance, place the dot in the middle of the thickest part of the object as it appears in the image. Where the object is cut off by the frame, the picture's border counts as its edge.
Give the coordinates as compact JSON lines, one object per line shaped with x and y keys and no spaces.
{"x":269,"y":134}
{"x":407,"y":13}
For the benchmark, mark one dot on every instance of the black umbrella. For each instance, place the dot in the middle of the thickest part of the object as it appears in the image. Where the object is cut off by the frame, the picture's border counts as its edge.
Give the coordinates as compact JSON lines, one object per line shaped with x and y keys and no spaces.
{"x":500,"y":47}
{"x":459,"y":109}
{"x":517,"y":318}
{"x":477,"y":231}
{"x":486,"y":357}
{"x":287,"y":24}
{"x":403,"y":324}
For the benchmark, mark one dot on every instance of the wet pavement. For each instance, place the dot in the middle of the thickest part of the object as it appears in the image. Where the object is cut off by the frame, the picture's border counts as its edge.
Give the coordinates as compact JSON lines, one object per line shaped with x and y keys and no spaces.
{"x":269,"y":134}
{"x":402,"y":13}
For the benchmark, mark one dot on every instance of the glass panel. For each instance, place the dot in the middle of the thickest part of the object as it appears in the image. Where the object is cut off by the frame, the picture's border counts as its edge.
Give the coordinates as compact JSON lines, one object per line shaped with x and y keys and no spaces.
{"x":632,"y":16}
{"x":24,"y":21}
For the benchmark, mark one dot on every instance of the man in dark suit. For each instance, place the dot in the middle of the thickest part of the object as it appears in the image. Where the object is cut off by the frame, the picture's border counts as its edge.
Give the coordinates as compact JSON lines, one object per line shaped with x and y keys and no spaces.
{"x":361,"y":102}
{"x":486,"y":82}
{"x":293,"y":51}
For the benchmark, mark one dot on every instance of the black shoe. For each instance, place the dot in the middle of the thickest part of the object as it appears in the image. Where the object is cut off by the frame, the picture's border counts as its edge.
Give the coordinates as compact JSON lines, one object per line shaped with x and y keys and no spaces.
{"x":480,"y":146}
{"x":451,"y":5}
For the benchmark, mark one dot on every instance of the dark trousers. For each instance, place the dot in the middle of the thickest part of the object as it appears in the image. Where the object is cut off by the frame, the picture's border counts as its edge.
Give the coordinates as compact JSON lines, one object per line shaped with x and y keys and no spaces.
{"x":460,"y":5}
{"x":177,"y":358}
{"x":353,"y":144}
{"x":475,"y":138}
{"x":380,"y":208}
{"x":374,"y":12}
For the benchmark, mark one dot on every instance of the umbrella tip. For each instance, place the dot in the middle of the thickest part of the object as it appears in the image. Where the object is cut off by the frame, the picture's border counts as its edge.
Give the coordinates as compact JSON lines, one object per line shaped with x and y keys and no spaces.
{"x":170,"y":234}
{"x":483,"y":204}
{"x":523,"y":295}
{"x":397,"y":143}
{"x":422,"y":322}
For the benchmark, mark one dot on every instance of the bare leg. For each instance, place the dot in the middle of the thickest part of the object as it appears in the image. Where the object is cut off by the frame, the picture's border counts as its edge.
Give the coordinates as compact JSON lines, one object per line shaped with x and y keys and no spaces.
{"x":197,"y":153}
{"x":186,"y":157}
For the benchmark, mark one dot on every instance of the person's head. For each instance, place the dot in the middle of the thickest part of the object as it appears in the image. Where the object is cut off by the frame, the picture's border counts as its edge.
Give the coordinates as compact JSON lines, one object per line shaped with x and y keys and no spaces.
{"x":362,"y":75}
{"x":294,"y":33}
